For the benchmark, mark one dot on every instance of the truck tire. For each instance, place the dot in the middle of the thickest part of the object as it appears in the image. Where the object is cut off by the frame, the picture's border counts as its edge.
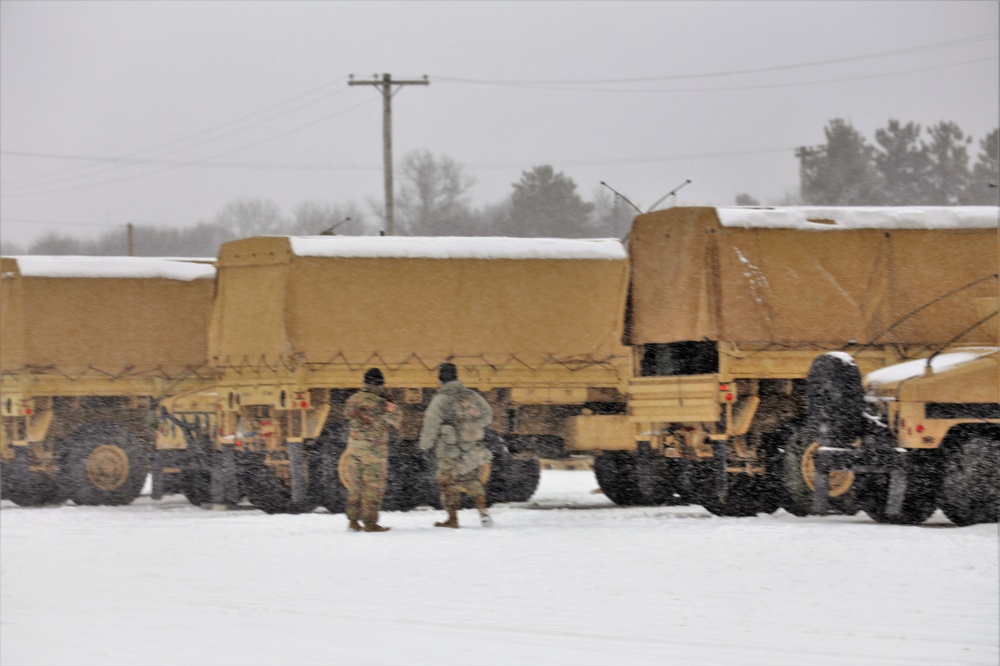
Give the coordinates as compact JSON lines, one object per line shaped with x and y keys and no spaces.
{"x":970,"y":490}
{"x":615,"y":472}
{"x":836,"y":400}
{"x":104,"y":464}
{"x":196,"y":484}
{"x":273,"y":495}
{"x":797,"y":475}
{"x":745,"y":496}
{"x":523,"y":475}
{"x":400,"y":479}
{"x":923,"y":471}
{"x":28,"y":488}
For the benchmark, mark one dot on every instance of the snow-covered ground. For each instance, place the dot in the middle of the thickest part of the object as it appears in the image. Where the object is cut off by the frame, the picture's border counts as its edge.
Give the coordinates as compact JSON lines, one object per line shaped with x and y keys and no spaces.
{"x":565,"y":579}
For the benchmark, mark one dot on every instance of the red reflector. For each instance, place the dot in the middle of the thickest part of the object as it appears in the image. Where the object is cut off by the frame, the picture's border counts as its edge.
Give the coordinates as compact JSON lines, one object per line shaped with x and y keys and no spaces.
{"x":28,"y":412}
{"x":920,"y":428}
{"x":729,"y":397}
{"x":239,"y":443}
{"x":723,"y":387}
{"x":304,"y":404}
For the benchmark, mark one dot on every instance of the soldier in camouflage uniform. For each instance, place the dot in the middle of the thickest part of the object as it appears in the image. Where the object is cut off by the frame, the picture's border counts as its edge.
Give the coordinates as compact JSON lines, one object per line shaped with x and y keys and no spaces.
{"x":364,"y":463}
{"x":454,"y":426}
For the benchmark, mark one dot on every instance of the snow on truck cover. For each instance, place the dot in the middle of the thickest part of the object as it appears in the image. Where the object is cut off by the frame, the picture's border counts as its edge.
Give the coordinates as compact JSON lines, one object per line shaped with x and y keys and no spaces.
{"x":452,"y":247}
{"x":833,"y":218}
{"x":115,"y":267}
{"x":915,"y":368}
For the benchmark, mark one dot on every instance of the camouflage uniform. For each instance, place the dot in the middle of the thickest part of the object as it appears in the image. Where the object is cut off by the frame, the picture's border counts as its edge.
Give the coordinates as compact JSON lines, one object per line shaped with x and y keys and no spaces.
{"x":364,"y":463}
{"x":454,"y":426}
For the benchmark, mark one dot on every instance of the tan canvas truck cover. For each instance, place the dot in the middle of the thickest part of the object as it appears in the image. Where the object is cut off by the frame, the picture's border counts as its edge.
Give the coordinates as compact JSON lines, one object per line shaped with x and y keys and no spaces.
{"x":396,"y":300}
{"x":104,"y":316}
{"x":811,"y":276}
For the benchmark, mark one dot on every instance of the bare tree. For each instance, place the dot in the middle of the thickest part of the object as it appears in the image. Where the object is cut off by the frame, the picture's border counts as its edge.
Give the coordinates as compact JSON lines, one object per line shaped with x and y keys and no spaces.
{"x":433,"y":195}
{"x":250,"y":217}
{"x":610,"y":216}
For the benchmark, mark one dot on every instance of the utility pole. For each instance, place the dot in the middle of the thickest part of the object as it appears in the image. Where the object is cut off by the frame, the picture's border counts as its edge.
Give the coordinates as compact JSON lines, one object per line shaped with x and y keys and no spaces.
{"x":130,"y":232}
{"x":385,"y":85}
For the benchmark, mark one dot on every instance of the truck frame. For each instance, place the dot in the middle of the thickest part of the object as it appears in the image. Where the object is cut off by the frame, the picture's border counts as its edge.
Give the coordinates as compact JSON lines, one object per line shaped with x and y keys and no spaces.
{"x":89,"y":347}
{"x":533,"y":324}
{"x":728,"y":308}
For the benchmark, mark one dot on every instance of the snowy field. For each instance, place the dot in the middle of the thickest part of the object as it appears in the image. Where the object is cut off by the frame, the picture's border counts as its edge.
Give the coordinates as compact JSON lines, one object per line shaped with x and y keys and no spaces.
{"x":565,"y":579}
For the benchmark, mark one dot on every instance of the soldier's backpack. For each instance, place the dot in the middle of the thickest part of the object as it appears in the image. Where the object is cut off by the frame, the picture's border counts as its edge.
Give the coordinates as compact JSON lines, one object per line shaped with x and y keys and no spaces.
{"x":468,"y":416}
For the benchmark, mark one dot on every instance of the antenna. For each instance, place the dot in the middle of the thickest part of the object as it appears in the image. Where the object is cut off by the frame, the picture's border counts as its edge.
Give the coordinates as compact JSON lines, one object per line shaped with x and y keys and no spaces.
{"x":671,"y":193}
{"x":622,"y":197}
{"x":329,"y":232}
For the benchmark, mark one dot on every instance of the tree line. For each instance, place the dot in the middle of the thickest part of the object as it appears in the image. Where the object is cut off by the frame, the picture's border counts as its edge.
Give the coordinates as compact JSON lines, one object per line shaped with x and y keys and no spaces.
{"x":432,"y":200}
{"x":906,"y":166}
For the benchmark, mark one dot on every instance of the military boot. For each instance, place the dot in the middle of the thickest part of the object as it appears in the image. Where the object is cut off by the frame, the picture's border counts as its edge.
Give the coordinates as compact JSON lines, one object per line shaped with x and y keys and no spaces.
{"x":371,"y":525}
{"x":452,"y":520}
{"x":354,"y":526}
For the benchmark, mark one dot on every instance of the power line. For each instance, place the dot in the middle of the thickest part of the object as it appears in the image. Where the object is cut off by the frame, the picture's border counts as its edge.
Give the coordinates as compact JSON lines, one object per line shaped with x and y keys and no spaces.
{"x":186,"y":138}
{"x":754,"y":87}
{"x":816,"y":63}
{"x":19,"y":220}
{"x":179,"y":165}
{"x":290,"y":166}
{"x":193,"y":163}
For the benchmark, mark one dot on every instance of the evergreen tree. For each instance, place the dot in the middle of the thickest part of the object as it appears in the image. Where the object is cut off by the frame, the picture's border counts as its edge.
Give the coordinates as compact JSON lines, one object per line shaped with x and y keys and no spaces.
{"x":902,"y":163}
{"x":982,"y":190}
{"x":744,"y":199}
{"x":841,"y":172}
{"x":545,"y":203}
{"x":948,"y":170}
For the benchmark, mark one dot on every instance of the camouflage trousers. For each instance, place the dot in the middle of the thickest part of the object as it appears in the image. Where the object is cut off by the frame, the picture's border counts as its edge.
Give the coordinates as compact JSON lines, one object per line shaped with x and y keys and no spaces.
{"x":364,"y":476}
{"x":453,"y":483}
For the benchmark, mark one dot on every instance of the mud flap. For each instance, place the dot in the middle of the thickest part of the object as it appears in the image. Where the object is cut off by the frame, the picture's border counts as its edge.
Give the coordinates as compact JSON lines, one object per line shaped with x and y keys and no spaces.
{"x":897,"y":490}
{"x":224,"y":485}
{"x":720,"y":454}
{"x":297,"y":467}
{"x":157,"y":474}
{"x":644,"y":470}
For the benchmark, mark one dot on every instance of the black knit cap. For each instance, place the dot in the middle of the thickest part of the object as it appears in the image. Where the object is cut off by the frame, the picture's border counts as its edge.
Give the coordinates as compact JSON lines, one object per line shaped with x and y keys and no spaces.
{"x":374,"y":377}
{"x":447,"y":373}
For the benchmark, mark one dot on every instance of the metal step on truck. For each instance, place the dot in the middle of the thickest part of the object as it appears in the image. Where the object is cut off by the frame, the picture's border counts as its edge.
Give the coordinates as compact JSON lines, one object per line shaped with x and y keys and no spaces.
{"x":532,"y":323}
{"x":88,"y":347}
{"x":729,"y":307}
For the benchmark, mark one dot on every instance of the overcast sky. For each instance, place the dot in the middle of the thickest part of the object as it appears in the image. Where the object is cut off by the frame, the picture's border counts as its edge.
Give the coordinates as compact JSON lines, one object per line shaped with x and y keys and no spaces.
{"x":205,"y":102}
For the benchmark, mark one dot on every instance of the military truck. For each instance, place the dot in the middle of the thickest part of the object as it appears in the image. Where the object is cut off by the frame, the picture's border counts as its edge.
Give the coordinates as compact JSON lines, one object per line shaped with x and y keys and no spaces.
{"x":88,"y":346}
{"x":913,"y":437}
{"x":534,"y":324}
{"x":728,"y":308}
